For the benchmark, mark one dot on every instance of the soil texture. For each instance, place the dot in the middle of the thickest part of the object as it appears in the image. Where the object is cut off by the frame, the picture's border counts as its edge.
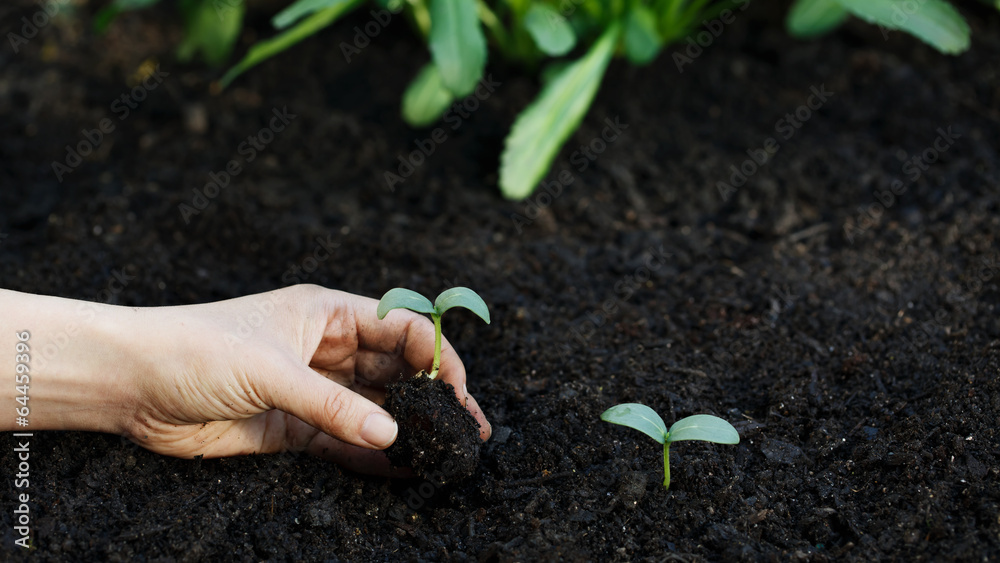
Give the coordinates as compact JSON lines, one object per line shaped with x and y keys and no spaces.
{"x":438,"y":438}
{"x":837,"y":303}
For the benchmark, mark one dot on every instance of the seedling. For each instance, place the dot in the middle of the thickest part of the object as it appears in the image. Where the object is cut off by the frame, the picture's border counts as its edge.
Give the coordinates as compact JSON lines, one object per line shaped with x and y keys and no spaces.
{"x":400,"y":298}
{"x":704,"y":427}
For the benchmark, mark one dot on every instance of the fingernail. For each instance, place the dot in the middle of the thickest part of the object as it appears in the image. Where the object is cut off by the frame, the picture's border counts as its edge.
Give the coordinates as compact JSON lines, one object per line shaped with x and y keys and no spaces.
{"x":379,"y":430}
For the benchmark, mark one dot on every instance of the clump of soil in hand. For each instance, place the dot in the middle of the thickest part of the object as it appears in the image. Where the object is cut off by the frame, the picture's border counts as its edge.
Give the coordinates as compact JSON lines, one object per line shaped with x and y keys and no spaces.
{"x":438,"y":438}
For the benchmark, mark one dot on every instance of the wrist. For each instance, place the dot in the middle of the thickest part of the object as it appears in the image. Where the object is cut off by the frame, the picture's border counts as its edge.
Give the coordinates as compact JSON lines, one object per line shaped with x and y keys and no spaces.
{"x":80,"y":362}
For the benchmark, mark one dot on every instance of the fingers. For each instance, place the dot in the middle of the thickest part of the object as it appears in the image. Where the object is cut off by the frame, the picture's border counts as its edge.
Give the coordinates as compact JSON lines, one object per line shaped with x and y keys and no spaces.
{"x":330,"y":407}
{"x":485,"y":429}
{"x":300,"y":436}
{"x":382,"y":367}
{"x":360,"y":460}
{"x":393,"y":347}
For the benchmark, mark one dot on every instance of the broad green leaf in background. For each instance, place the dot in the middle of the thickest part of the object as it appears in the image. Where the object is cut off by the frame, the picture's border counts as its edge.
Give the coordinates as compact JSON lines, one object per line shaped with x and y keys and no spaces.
{"x":934,"y":21}
{"x":642,"y":43}
{"x":638,"y":416}
{"x":263,"y":50}
{"x":212,"y":29}
{"x":457,"y":44}
{"x":809,"y":18}
{"x":399,"y":298}
{"x":300,"y":9}
{"x":553,"y":35}
{"x":426,"y":98}
{"x":462,"y":297}
{"x":108,"y":13}
{"x":704,"y":427}
{"x":545,"y":125}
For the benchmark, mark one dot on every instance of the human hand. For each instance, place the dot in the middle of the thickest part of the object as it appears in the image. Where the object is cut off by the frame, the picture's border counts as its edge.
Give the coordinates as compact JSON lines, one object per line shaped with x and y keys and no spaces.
{"x":306,"y":379}
{"x":199,"y":381}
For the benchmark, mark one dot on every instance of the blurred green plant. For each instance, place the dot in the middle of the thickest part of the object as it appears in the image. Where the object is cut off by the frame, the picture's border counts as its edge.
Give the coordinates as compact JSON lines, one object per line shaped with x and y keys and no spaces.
{"x":533,"y":33}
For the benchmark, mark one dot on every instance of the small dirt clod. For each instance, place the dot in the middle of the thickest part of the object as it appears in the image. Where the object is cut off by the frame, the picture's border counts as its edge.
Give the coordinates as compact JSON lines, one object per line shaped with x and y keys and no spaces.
{"x":438,"y":438}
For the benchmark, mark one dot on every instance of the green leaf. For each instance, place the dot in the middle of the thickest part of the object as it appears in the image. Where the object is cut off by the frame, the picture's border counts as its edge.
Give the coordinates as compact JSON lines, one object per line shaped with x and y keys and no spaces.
{"x":550,"y":30}
{"x":545,"y":125}
{"x":704,"y":427}
{"x":457,"y":44}
{"x":462,"y":297}
{"x":934,"y":21}
{"x":399,"y":298}
{"x":300,"y":9}
{"x":426,"y":98}
{"x":809,"y":18}
{"x":642,"y":43}
{"x":638,"y":416}
{"x":211,"y":29}
{"x":266,"y":49}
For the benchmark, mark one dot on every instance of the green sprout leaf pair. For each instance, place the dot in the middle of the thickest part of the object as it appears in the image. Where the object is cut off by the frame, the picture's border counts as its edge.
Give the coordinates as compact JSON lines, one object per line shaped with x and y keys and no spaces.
{"x":464,"y":297}
{"x":703,"y":427}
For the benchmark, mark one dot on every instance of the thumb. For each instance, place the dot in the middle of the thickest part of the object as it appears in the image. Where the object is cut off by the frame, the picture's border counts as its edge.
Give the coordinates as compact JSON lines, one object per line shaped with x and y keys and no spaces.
{"x":331,"y":408}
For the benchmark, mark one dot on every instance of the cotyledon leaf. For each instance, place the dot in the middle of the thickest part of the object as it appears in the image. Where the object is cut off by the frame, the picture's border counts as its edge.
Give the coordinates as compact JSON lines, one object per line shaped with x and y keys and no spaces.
{"x":639,"y":417}
{"x":462,"y":297}
{"x":704,"y":427}
{"x":399,"y":298}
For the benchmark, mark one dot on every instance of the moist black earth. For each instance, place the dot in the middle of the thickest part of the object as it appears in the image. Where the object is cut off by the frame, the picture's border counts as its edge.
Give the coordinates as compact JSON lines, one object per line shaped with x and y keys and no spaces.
{"x":847,"y":325}
{"x":438,"y":437}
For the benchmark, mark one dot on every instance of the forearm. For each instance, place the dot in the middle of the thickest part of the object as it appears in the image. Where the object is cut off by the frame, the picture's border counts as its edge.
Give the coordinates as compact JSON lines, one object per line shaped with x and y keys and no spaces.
{"x":78,"y":357}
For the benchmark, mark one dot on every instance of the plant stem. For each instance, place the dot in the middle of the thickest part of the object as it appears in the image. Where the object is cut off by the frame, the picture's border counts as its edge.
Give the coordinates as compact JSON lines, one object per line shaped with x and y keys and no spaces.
{"x":437,"y":345}
{"x":492,"y":23}
{"x":666,"y":465}
{"x":422,"y":17}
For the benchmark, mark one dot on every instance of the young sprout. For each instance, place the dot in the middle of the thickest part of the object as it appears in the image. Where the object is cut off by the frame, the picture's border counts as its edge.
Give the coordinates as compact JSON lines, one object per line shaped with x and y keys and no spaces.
{"x":400,"y":298}
{"x":704,"y":427}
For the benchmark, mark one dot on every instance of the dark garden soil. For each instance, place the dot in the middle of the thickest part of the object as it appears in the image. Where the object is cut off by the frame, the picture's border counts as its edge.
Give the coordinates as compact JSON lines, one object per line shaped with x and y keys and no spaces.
{"x":438,"y":438}
{"x":860,"y":365}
